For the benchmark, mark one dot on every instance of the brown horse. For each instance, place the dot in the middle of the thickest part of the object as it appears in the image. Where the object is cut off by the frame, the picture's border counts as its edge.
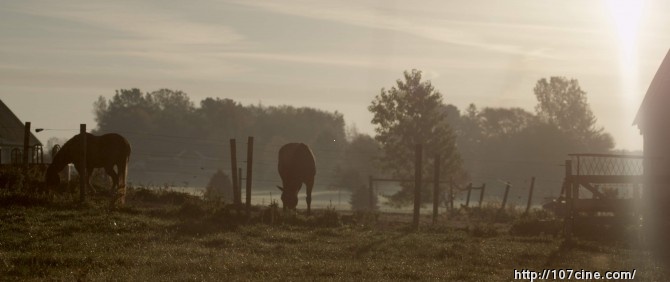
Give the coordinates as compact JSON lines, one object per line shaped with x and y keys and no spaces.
{"x":296,"y":166}
{"x":105,"y":151}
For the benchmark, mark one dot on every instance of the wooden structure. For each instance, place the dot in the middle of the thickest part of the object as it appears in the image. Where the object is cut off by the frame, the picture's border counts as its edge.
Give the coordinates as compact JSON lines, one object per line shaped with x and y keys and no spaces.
{"x":590,"y":173}
{"x":481,"y":194}
{"x":12,"y":135}
{"x":651,"y":120}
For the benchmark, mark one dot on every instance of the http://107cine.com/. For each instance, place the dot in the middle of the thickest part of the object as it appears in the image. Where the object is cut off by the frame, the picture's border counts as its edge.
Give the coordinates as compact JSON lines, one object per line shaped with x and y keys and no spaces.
{"x":581,"y":274}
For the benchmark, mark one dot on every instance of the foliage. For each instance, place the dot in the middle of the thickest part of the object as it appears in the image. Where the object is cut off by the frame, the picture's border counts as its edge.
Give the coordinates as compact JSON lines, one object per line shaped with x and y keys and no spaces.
{"x":360,"y":160}
{"x":160,"y":195}
{"x":178,"y":143}
{"x":219,"y":187}
{"x":562,"y":103}
{"x":535,"y":227}
{"x":319,"y":218}
{"x":483,"y":231}
{"x":360,"y":199}
{"x":410,"y":113}
{"x":512,"y":144}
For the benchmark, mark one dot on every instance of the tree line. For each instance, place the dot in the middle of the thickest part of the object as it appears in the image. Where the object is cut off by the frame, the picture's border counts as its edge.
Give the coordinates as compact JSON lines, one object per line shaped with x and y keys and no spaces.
{"x":484,"y":145}
{"x":176,"y":142}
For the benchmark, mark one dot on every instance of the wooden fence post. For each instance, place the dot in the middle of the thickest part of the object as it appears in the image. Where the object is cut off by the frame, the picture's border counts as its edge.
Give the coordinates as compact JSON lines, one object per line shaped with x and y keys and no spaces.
{"x":233,"y":168}
{"x":467,"y":200}
{"x":530,"y":194}
{"x":371,"y":202}
{"x":568,"y":197}
{"x":239,"y":184}
{"x":26,"y":144}
{"x":250,"y":159}
{"x":83,"y":174}
{"x":481,"y":195}
{"x":504,"y":202}
{"x":418,"y":151}
{"x":26,"y":148}
{"x":436,"y":187}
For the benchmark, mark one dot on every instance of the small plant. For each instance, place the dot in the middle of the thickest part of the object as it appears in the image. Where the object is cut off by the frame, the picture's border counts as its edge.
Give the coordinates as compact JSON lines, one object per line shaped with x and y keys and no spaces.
{"x":328,"y":218}
{"x":191,"y":210}
{"x":366,"y":217}
{"x":163,"y":195}
{"x":484,"y":231}
{"x":535,"y":227}
{"x":271,"y":215}
{"x":219,"y":187}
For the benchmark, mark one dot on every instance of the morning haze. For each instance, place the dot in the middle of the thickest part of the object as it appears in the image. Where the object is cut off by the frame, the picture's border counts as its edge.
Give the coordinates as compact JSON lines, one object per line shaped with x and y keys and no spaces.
{"x":209,"y":117}
{"x":328,"y":56}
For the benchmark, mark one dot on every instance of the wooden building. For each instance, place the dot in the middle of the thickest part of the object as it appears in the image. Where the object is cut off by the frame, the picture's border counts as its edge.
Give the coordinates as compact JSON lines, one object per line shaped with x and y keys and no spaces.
{"x":11,"y":134}
{"x":653,"y":121}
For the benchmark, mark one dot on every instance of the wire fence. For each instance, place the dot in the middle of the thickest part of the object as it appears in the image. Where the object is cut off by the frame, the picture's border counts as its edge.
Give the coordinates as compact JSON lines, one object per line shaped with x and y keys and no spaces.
{"x":186,"y":169}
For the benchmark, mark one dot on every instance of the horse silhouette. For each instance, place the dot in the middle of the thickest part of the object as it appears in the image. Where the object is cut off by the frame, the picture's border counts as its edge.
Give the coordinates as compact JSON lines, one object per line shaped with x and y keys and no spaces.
{"x":105,"y":151}
{"x":296,"y":166}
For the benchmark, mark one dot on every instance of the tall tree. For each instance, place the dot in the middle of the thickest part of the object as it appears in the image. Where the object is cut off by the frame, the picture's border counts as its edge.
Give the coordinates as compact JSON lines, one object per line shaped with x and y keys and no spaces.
{"x":563,"y":103}
{"x":358,"y":162}
{"x":410,"y":113}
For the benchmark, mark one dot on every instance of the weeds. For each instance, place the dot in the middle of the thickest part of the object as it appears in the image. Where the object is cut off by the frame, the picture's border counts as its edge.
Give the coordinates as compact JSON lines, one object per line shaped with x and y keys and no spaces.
{"x":166,"y":235}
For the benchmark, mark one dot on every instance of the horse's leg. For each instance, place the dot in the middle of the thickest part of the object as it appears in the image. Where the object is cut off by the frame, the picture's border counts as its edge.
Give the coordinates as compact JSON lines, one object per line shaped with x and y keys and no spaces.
{"x":310,"y":184}
{"x":123,"y":175}
{"x":115,"y":182}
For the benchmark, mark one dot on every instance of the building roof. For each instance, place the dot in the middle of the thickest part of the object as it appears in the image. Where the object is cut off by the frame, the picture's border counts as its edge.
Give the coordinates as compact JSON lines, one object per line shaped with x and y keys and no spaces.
{"x":11,"y":129}
{"x":657,"y":99}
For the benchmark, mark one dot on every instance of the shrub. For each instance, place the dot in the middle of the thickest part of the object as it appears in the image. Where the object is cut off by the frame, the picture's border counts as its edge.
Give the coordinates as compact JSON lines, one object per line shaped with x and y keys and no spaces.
{"x":219,"y":187}
{"x":535,"y":227}
{"x":328,"y":218}
{"x":485,"y":231}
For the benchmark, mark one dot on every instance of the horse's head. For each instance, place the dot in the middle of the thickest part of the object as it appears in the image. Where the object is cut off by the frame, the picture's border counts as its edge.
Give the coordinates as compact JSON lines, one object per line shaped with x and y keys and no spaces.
{"x":289,"y":198}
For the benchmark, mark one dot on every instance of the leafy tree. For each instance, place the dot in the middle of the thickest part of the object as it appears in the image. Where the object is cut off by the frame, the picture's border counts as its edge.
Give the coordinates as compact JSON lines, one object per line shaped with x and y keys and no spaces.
{"x":219,"y":187}
{"x":359,"y":161}
{"x":562,"y":103}
{"x":504,"y":122}
{"x":410,"y":113}
{"x":512,"y":144}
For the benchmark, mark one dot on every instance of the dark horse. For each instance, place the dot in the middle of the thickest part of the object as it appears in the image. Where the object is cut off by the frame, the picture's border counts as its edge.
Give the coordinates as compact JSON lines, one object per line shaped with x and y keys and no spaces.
{"x":104,"y":151}
{"x":296,"y":166}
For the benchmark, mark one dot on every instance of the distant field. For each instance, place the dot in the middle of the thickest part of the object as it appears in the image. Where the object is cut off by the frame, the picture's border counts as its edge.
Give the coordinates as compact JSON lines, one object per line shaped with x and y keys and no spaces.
{"x":340,"y":200}
{"x":153,"y":241}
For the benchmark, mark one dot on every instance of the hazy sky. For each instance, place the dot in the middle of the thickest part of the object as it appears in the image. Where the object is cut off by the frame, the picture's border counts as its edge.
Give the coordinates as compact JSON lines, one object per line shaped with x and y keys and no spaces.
{"x":334,"y":55}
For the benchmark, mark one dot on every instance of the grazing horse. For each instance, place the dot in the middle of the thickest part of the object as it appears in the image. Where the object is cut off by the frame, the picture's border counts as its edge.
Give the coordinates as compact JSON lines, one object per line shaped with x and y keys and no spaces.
{"x":105,"y":151}
{"x":296,"y":166}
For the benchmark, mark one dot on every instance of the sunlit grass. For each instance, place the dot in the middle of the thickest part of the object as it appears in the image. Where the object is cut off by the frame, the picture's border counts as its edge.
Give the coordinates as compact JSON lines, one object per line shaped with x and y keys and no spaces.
{"x":195,"y":240}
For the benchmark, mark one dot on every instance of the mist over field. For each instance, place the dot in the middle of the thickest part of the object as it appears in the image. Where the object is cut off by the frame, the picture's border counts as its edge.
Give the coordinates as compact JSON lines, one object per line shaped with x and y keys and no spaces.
{"x":356,"y":140}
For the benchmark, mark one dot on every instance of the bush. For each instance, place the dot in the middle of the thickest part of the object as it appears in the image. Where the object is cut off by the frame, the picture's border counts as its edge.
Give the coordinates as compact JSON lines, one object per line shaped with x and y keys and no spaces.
{"x":275,"y":216}
{"x":328,"y":218}
{"x":535,"y":227}
{"x":219,"y":187}
{"x":13,"y":178}
{"x":484,"y":231}
{"x":158,"y":195}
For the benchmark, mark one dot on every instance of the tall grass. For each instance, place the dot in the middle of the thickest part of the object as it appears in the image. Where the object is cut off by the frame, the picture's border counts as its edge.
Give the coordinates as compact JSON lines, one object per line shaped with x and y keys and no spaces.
{"x":166,"y":235}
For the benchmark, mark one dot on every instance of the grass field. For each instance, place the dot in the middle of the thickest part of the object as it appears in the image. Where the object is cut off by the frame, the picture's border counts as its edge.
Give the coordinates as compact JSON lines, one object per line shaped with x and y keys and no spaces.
{"x":158,"y":238}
